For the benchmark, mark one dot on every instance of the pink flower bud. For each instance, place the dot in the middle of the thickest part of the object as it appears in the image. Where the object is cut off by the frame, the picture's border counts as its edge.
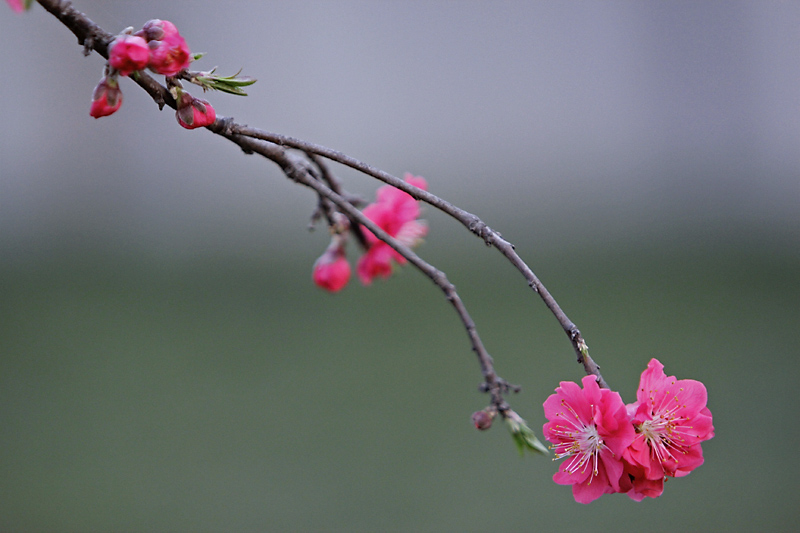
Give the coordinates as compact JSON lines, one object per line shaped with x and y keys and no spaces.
{"x":482,"y":419}
{"x":194,"y":113}
{"x":157,"y":30}
{"x":169,"y":54}
{"x":128,"y":53}
{"x":332,"y":271}
{"x":106,"y":98}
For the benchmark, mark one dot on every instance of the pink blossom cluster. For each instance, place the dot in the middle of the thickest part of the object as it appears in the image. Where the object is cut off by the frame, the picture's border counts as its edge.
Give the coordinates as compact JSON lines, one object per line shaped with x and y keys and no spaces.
{"x":158,"y":45}
{"x":395,"y":212}
{"x":610,"y":447}
{"x":161,"y":48}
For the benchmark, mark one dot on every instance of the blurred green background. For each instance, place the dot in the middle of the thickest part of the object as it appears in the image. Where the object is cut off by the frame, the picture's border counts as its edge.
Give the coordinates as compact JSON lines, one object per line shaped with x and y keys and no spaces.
{"x":166,"y":363}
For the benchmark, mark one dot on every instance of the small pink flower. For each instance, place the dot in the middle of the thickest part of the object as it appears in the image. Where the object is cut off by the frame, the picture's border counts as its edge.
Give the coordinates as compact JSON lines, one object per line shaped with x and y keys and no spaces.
{"x":170,"y":54}
{"x":590,"y":428}
{"x":128,"y":53}
{"x":671,"y":420}
{"x":396,"y":213}
{"x":106,"y":98}
{"x":193,"y":112}
{"x":332,"y":271}
{"x":16,"y":5}
{"x":376,"y":262}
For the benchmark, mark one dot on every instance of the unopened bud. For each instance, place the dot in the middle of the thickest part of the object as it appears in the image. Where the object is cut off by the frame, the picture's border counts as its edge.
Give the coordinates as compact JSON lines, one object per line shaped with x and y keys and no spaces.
{"x":169,"y":53}
{"x":128,"y":53}
{"x":106,"y":98}
{"x":332,"y":271}
{"x":483,"y":419}
{"x":193,"y":112}
{"x":157,"y":30}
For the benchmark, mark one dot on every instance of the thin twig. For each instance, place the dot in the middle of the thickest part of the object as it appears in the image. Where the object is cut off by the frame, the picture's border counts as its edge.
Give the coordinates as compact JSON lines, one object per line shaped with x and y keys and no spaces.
{"x":299,"y":171}
{"x":336,"y":186}
{"x":472,"y":222}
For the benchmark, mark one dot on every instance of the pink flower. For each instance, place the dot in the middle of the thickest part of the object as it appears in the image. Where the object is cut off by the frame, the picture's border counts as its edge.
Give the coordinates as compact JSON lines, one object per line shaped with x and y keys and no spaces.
{"x":106,"y":98}
{"x":590,"y":428}
{"x":16,"y":5}
{"x":375,"y":263}
{"x":169,"y":53}
{"x":332,"y":271}
{"x":396,"y":213}
{"x":671,"y":420}
{"x":193,"y":112}
{"x":128,"y":53}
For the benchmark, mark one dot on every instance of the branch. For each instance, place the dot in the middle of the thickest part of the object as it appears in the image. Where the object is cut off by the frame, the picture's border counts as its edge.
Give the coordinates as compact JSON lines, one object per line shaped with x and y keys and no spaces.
{"x":92,"y":37}
{"x":472,"y":222}
{"x":336,"y":187}
{"x":563,"y":409}
{"x":301,"y":172}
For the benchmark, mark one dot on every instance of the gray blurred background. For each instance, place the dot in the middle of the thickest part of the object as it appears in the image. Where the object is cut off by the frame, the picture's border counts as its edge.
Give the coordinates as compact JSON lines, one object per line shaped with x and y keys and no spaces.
{"x":167,"y":364}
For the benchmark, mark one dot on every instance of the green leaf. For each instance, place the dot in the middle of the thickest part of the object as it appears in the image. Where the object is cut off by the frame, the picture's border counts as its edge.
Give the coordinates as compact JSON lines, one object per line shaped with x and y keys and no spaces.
{"x":226,"y":84}
{"x":523,"y":436}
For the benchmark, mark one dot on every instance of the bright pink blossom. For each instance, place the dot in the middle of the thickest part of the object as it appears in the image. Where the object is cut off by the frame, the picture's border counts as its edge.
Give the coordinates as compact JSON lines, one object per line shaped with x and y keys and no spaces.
{"x":590,"y":428}
{"x":332,"y":271}
{"x":169,"y":53}
{"x":106,"y":98}
{"x":671,"y":420}
{"x":193,"y":112}
{"x":128,"y":53}
{"x":16,"y":5}
{"x":396,"y":213}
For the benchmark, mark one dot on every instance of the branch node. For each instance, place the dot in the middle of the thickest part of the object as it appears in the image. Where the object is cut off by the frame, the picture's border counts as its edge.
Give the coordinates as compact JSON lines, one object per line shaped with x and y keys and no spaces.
{"x":505,"y":386}
{"x":488,"y":235}
{"x":88,"y":45}
{"x":498,"y":388}
{"x":227,"y":124}
{"x":479,"y":228}
{"x":250,"y":140}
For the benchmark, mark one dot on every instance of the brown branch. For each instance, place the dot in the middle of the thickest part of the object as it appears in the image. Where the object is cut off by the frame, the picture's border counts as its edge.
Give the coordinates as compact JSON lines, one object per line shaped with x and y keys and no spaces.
{"x":336,"y":186}
{"x":300,"y":171}
{"x":89,"y":34}
{"x":92,"y":37}
{"x":470,"y":221}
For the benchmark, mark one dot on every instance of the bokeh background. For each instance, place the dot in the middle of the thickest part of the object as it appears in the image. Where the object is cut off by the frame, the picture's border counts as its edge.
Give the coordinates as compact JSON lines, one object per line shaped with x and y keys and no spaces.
{"x":167,"y":364}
